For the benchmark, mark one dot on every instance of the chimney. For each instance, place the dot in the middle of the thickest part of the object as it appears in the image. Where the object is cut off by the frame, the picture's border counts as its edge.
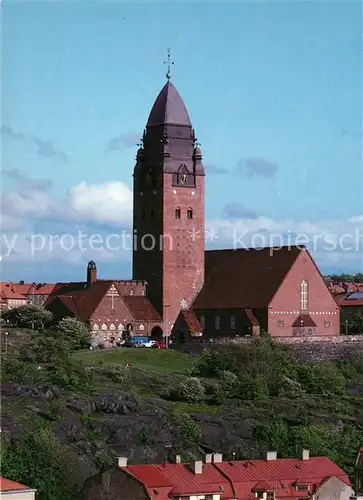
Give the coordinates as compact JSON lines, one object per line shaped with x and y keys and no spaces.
{"x":122,"y":461}
{"x":198,"y":467}
{"x":305,"y":455}
{"x":178,"y":459}
{"x":271,"y":455}
{"x":91,"y":273}
{"x":217,"y":458}
{"x":208,"y":458}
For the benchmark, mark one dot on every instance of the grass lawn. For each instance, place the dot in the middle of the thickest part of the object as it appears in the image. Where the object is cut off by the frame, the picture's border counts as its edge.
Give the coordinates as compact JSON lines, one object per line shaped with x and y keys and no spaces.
{"x":157,"y":360}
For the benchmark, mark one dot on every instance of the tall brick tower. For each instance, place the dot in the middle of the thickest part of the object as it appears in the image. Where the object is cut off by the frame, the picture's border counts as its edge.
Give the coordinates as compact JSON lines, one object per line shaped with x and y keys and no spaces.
{"x":168,"y":246}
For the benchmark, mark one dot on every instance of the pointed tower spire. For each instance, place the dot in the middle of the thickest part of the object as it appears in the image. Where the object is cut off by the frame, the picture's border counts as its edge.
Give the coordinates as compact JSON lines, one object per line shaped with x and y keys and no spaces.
{"x":169,"y":63}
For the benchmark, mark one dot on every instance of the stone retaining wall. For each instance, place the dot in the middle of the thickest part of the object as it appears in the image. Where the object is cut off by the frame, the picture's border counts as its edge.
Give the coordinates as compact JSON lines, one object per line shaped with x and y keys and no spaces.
{"x":305,"y":350}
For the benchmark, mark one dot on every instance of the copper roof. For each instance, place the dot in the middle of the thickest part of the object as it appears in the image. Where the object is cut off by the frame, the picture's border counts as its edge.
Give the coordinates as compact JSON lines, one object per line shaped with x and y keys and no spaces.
{"x":244,"y":278}
{"x":169,"y":108}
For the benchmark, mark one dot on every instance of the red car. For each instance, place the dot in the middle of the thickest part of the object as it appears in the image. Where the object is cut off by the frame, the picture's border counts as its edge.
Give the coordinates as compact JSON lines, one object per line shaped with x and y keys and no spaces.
{"x":161,"y":345}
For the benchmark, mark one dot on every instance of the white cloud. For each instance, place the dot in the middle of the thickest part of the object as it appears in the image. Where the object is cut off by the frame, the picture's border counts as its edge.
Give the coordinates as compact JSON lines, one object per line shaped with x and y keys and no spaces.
{"x":107,"y":208}
{"x":110,"y":202}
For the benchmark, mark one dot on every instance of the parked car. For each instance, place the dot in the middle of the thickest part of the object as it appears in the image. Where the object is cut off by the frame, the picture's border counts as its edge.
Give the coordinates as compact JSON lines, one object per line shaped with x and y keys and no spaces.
{"x":151,"y":343}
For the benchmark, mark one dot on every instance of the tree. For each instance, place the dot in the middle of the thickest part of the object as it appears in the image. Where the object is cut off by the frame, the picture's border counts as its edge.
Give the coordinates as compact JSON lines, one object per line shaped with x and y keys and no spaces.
{"x":355,"y":325}
{"x":28,"y":316}
{"x":40,"y":461}
{"x":189,"y":390}
{"x":74,"y":332}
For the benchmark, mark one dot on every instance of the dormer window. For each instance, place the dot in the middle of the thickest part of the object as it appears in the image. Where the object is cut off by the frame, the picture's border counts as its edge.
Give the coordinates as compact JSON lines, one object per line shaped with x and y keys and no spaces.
{"x":190,"y":213}
{"x":177,"y":213}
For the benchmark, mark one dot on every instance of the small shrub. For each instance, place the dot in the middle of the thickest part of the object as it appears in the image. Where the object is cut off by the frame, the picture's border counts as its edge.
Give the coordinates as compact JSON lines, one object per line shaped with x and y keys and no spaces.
{"x":190,"y":433}
{"x":289,"y":388}
{"x":190,"y":390}
{"x":251,"y":388}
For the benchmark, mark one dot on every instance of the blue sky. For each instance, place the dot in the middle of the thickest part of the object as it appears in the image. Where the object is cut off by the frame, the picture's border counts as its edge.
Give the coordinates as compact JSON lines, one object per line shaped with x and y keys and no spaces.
{"x":278,"y":82}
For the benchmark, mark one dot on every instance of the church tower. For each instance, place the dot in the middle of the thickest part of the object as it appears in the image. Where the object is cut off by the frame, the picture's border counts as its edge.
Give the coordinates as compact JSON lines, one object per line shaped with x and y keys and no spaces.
{"x":168,"y":243}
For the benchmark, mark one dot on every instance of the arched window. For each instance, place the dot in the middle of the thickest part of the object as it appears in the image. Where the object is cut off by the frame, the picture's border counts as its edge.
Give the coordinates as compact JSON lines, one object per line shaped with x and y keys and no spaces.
{"x":112,"y":326}
{"x":202,"y":322}
{"x":304,"y":295}
{"x":103,"y":326}
{"x":190,"y":213}
{"x":120,"y":327}
{"x":217,"y":323}
{"x":177,"y":213}
{"x":232,"y":323}
{"x":95,"y":327}
{"x":141,"y":328}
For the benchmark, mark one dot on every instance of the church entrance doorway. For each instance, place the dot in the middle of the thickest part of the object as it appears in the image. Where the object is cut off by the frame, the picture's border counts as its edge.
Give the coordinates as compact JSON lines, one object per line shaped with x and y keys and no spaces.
{"x":157,"y":333}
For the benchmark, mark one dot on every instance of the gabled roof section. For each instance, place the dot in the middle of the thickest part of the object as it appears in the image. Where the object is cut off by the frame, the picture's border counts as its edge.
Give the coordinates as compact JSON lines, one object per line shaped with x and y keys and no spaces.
{"x":169,"y":108}
{"x":192,"y":321}
{"x":244,"y":278}
{"x":304,"y":320}
{"x":8,"y":485}
{"x":141,"y":308}
{"x":80,"y":299}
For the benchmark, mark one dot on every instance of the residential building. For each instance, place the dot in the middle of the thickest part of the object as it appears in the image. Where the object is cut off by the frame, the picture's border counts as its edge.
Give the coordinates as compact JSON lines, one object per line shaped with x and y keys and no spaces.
{"x":11,"y":297}
{"x":21,"y":293}
{"x":350,"y":304}
{"x":358,"y":480}
{"x":273,"y":478}
{"x":15,"y":491}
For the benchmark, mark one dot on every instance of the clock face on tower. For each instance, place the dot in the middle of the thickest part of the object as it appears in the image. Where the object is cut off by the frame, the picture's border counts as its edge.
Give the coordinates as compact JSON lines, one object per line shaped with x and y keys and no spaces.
{"x":183,"y":304}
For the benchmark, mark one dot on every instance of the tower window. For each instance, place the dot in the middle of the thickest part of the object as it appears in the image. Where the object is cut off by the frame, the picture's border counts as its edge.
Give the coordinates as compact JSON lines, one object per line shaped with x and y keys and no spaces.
{"x":217,"y":323}
{"x":143,"y":214}
{"x":190,"y":213}
{"x":152,"y":213}
{"x":304,"y":295}
{"x":177,"y":213}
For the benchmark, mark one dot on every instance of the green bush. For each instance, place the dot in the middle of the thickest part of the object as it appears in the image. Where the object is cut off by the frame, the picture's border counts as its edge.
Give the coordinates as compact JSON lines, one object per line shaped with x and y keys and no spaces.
{"x":70,"y":374}
{"x":323,"y":378}
{"x":18,"y":371}
{"x":75,"y":333}
{"x":289,"y":388}
{"x":251,"y":388}
{"x":40,"y":461}
{"x":190,"y":390}
{"x":190,"y":433}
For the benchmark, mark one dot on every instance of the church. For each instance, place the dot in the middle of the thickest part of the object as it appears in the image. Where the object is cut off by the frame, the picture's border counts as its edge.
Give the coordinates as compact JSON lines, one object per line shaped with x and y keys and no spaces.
{"x":180,"y":289}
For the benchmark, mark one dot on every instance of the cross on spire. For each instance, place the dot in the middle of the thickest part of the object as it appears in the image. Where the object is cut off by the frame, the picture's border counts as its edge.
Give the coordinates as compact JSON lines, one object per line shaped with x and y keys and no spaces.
{"x":170,"y":63}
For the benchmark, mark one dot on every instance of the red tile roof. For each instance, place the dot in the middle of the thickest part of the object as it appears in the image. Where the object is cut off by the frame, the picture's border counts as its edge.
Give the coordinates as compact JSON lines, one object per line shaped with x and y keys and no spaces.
{"x":79,"y":299}
{"x":82,"y":300}
{"x":236,"y":479}
{"x":141,"y":308}
{"x":244,"y":278}
{"x":30,"y":288}
{"x":7,"y":485}
{"x":8,"y":291}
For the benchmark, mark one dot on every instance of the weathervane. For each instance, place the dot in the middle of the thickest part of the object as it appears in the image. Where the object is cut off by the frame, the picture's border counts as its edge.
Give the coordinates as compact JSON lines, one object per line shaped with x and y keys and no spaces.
{"x":169,"y":62}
